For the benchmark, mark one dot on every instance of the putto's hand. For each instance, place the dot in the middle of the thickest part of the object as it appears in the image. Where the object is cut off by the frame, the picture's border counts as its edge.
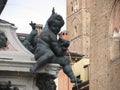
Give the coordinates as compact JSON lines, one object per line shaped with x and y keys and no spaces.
{"x":64,"y":49}
{"x":64,"y":43}
{"x":33,"y":25}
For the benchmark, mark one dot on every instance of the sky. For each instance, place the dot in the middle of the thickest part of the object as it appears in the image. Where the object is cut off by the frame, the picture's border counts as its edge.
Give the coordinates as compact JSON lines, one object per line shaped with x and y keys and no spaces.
{"x":22,"y":12}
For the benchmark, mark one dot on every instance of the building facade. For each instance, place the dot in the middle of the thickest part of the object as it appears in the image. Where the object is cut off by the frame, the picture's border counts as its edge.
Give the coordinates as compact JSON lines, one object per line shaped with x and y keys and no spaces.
{"x":91,"y":25}
{"x":78,"y":24}
{"x":80,"y":68}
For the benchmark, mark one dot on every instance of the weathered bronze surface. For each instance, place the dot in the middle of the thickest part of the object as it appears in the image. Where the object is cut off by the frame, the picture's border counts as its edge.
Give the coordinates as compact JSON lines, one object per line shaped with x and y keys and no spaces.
{"x":31,"y":41}
{"x":49,"y":49}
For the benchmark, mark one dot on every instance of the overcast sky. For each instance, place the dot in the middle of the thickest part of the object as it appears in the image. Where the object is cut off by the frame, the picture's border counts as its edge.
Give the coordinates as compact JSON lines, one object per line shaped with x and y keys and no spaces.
{"x":22,"y":12}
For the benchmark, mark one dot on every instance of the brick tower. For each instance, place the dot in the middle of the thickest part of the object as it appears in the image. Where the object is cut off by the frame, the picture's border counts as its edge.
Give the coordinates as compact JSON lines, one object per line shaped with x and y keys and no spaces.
{"x":90,"y":26}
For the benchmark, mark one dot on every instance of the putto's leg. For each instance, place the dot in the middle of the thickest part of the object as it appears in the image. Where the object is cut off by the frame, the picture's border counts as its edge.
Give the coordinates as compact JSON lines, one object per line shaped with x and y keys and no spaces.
{"x":41,"y":62}
{"x":68,"y":71}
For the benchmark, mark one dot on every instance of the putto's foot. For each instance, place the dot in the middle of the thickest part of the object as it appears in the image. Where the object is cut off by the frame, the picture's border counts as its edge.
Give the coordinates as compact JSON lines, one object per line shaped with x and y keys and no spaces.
{"x":76,"y":80}
{"x":32,"y":70}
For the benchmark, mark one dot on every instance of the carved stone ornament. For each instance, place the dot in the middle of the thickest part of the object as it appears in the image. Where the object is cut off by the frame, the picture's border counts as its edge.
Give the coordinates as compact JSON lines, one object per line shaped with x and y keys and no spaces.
{"x":45,"y":82}
{"x":7,"y":86}
{"x":3,"y":40}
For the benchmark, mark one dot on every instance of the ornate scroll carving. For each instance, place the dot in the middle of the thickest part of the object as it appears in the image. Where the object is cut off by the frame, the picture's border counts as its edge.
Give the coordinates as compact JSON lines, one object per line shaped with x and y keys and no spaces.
{"x":45,"y":82}
{"x":3,"y":40}
{"x":7,"y":86}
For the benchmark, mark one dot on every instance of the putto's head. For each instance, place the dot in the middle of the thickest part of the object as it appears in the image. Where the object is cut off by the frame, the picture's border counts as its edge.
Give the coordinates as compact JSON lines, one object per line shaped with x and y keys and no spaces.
{"x":55,"y":22}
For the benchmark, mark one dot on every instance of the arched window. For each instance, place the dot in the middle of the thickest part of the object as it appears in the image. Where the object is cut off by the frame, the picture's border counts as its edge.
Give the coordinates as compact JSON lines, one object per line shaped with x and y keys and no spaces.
{"x":115,"y":29}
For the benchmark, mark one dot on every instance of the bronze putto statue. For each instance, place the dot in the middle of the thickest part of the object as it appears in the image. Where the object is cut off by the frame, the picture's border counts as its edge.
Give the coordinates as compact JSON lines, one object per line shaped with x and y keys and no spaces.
{"x":47,"y":48}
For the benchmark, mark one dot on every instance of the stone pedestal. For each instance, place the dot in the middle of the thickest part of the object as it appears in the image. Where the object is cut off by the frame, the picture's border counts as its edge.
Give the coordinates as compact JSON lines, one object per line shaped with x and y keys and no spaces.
{"x":16,"y":61}
{"x":46,"y":76}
